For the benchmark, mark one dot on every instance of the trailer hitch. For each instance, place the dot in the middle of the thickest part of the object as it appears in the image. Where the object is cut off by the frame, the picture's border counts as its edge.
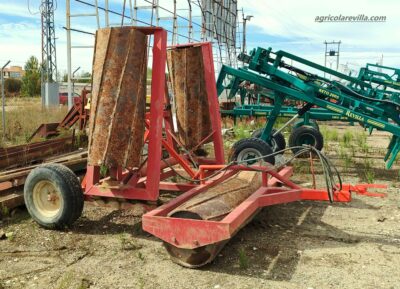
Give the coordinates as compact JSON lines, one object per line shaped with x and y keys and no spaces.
{"x":362,"y":189}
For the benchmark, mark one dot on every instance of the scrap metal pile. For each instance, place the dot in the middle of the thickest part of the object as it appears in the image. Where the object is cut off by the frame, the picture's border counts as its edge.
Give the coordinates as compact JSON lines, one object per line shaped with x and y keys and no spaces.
{"x":16,"y":162}
{"x":134,"y":153}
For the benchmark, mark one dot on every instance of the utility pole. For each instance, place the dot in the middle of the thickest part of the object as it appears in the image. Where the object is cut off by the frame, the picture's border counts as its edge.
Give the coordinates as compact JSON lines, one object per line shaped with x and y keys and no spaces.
{"x":332,"y":52}
{"x":380,"y":63}
{"x":48,"y":41}
{"x":245,"y":19}
{"x":3,"y":99}
{"x":49,"y":62}
{"x":69,"y":63}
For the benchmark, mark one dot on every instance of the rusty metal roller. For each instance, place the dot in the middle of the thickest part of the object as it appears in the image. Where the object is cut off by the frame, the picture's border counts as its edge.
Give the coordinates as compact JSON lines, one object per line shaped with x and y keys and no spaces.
{"x":213,"y":205}
{"x":186,"y":70}
{"x":118,"y":104}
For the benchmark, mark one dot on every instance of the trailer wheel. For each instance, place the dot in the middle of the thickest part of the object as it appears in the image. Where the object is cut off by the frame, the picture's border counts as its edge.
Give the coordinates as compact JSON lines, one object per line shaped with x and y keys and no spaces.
{"x":250,"y":149}
{"x":306,"y":135}
{"x":53,"y":196}
{"x":278,"y":141}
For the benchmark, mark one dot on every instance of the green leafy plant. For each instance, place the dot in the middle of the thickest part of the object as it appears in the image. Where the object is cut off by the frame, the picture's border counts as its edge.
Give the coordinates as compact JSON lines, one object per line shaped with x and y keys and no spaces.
{"x":4,"y":211}
{"x":369,"y":173}
{"x":347,"y":138}
{"x":330,"y":134}
{"x":243,"y":259}
{"x":140,"y":256}
{"x":103,"y":171}
{"x":127,"y":243}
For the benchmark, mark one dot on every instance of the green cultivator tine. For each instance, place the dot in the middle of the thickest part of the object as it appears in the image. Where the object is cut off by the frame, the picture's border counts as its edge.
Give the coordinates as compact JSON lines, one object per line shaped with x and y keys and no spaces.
{"x":393,"y":150}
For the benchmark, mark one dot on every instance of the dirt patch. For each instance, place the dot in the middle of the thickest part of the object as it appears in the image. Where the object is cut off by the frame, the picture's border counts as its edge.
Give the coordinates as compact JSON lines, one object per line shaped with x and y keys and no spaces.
{"x":297,"y":245}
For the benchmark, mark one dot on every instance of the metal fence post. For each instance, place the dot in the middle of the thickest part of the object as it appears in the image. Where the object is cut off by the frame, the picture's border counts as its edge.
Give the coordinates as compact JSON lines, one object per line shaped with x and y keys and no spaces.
{"x":3,"y":99}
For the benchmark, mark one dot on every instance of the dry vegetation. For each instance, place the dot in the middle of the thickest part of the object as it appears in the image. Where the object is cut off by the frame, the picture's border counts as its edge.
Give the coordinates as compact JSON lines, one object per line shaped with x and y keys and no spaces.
{"x":23,"y":116}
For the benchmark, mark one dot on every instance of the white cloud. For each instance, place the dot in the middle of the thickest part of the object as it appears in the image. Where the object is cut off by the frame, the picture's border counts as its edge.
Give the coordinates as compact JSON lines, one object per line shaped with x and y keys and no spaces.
{"x":19,"y":41}
{"x":14,"y":9}
{"x":288,"y":20}
{"x":296,"y":20}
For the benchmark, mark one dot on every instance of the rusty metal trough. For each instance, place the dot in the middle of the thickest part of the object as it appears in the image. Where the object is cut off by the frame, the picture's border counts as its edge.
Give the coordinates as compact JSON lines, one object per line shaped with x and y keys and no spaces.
{"x":118,"y":102}
{"x":192,"y":110}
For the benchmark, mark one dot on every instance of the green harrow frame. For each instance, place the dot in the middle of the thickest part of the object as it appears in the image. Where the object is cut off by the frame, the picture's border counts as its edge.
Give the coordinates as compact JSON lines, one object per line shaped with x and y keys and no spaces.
{"x":355,"y":100}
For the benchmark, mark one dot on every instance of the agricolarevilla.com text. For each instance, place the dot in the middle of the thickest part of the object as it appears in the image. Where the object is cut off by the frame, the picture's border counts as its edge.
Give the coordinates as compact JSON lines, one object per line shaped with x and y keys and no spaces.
{"x":344,"y":18}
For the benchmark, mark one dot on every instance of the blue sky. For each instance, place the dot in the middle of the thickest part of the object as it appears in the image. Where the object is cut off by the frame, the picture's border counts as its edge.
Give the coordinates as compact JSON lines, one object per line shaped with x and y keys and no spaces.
{"x":283,"y":25}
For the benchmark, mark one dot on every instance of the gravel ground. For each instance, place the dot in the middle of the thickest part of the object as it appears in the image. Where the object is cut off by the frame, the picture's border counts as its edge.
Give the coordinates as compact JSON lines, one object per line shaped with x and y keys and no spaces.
{"x":297,"y":245}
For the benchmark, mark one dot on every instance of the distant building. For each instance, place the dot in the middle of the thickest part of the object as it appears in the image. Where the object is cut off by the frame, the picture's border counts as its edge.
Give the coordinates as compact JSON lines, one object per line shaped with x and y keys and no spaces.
{"x":13,"y":72}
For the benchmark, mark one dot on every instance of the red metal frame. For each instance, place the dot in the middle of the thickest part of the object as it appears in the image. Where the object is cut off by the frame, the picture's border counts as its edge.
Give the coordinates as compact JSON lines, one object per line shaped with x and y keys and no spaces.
{"x":78,"y":112}
{"x":145,"y":182}
{"x":276,"y":189}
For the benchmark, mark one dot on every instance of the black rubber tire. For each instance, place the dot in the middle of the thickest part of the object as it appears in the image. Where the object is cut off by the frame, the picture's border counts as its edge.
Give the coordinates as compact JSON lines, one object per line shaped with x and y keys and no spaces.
{"x":70,"y":190}
{"x":297,"y":135}
{"x":300,"y":122}
{"x":74,"y":184}
{"x":278,"y":142}
{"x":253,"y":143}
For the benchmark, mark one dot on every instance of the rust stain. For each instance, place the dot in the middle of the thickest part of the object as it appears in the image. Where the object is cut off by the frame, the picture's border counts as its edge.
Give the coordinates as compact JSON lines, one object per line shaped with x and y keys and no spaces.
{"x":215,"y":203}
{"x":186,"y":69}
{"x":116,"y":124}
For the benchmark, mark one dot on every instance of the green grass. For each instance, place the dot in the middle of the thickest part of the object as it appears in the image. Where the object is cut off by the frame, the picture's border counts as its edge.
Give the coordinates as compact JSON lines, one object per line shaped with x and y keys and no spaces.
{"x":140,"y":256}
{"x":347,"y":138}
{"x":329,"y":133}
{"x":370,"y":176}
{"x":369,"y":173}
{"x":243,"y":259}
{"x":66,"y":280}
{"x":127,"y":242}
{"x":361,"y":139}
{"x":245,"y":127}
{"x":241,"y":131}
{"x":4,"y":211}
{"x":103,"y":171}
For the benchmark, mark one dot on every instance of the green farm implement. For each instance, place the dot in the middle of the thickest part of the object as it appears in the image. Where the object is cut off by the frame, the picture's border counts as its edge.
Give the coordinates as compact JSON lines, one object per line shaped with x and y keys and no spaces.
{"x":385,"y":81}
{"x":364,"y":99}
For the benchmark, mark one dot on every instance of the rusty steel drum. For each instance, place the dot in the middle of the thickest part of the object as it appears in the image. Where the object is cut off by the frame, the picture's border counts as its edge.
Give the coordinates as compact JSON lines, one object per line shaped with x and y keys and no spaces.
{"x":118,"y":104}
{"x":213,"y":205}
{"x":186,"y":71}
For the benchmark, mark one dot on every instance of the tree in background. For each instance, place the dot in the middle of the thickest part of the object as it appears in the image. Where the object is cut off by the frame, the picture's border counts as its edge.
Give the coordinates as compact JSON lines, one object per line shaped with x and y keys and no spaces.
{"x":86,"y":77}
{"x":12,"y":86}
{"x":31,"y":79}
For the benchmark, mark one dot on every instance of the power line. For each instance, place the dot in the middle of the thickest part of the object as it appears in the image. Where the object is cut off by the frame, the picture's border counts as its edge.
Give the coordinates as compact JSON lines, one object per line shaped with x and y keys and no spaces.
{"x":29,"y":9}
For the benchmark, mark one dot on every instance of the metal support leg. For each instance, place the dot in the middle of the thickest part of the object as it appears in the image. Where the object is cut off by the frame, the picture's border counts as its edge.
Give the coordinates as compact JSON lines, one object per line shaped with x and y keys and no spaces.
{"x":266,"y":135}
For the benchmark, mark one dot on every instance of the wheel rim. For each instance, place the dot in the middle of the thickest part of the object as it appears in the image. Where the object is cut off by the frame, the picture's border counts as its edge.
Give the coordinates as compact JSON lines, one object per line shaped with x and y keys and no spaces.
{"x":47,"y":198}
{"x":249,"y":154}
{"x":308,"y":139}
{"x":274,"y":145}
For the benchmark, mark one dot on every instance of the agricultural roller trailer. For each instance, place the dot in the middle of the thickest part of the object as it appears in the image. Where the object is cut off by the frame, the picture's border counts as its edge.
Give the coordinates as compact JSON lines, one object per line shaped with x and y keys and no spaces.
{"x":267,"y":69}
{"x":217,"y":199}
